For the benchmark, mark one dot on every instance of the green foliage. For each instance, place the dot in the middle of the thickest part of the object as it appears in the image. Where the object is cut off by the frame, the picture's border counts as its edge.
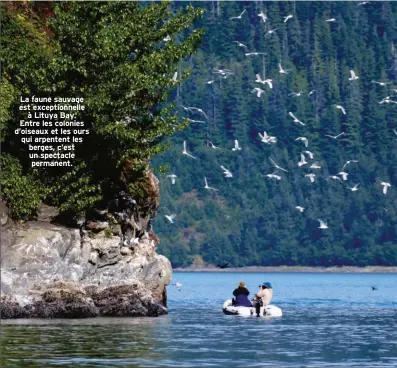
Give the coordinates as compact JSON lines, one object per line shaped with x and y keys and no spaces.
{"x":252,"y":220}
{"x":23,"y":193}
{"x":114,"y":55}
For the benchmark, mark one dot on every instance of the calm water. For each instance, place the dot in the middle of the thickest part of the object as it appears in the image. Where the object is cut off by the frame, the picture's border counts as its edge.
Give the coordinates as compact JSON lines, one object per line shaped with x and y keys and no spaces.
{"x":330,"y":320}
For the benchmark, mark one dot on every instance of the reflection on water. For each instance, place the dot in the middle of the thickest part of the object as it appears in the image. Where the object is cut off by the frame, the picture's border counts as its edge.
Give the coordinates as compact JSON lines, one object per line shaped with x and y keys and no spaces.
{"x":329,"y":321}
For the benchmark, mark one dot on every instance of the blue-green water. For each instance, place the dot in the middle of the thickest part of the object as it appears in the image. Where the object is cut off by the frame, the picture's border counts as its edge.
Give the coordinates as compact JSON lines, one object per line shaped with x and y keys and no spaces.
{"x":330,"y":320}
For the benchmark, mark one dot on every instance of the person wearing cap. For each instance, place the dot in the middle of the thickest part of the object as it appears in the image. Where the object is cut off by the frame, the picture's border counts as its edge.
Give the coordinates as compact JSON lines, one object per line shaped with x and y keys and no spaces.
{"x":263,"y":296}
{"x":241,"y":294}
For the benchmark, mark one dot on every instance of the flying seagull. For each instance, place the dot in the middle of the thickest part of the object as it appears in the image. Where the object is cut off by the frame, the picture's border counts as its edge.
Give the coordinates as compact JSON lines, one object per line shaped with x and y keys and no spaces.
{"x":311,"y":92}
{"x":254,"y":53}
{"x":385,"y":186}
{"x":178,"y":285}
{"x":227,"y":173}
{"x":289,"y":16}
{"x":207,"y":186}
{"x":310,"y":154}
{"x":311,"y":177}
{"x":172,"y":177}
{"x":334,"y":177}
{"x":263,"y":81}
{"x":258,"y":91}
{"x":387,"y":100}
{"x":236,"y":146}
{"x":341,"y":108}
{"x":334,"y":136}
{"x":295,"y":94}
{"x":263,"y":16}
{"x":271,"y":31}
{"x":344,"y":175}
{"x":265,"y":138}
{"x":304,"y":140}
{"x":276,"y":166}
{"x":210,"y":144}
{"x":239,"y":16}
{"x":283,"y":71}
{"x":354,"y":188}
{"x":273,"y":176}
{"x":170,"y":218}
{"x":353,"y":75}
{"x":302,"y":161}
{"x":166,"y":39}
{"x":381,"y":83}
{"x":239,"y":44}
{"x":323,"y":225}
{"x":296,"y":120}
{"x":348,"y":162}
{"x":300,"y":208}
{"x":184,"y":152}
{"x":315,"y":165}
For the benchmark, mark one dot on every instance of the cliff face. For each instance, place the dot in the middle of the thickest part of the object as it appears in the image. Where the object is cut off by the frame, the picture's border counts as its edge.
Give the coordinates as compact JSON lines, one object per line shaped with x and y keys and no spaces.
{"x":107,"y":267}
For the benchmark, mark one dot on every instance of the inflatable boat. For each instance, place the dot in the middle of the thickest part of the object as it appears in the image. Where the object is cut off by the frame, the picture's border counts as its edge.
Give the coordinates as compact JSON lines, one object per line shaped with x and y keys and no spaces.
{"x":269,"y":311}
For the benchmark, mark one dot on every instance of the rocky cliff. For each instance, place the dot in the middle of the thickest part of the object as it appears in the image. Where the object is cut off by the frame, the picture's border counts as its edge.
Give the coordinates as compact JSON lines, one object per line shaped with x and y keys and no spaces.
{"x":108,"y":266}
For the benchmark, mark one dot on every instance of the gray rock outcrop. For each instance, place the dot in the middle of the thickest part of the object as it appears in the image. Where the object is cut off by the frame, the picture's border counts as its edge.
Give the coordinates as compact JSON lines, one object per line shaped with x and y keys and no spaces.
{"x":107,"y":267}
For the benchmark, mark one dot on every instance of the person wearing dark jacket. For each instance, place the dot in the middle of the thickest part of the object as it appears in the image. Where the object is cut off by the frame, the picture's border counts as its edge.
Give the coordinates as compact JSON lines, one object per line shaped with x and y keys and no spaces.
{"x":241,"y":294}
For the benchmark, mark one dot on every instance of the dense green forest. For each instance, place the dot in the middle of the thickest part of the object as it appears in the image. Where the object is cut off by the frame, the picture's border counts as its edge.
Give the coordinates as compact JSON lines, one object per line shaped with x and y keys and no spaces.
{"x":252,"y":219}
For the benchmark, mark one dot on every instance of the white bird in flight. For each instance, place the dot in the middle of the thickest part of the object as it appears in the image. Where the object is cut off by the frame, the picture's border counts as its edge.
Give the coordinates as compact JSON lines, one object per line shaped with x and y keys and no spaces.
{"x":348,"y":162}
{"x":254,"y":53}
{"x":184,"y":152}
{"x":196,"y":121}
{"x":381,"y":83}
{"x":310,"y":154}
{"x":178,"y":285}
{"x":315,"y":165}
{"x":210,"y":81}
{"x":273,"y":176}
{"x":323,"y":225}
{"x":227,"y":173}
{"x":300,"y":208}
{"x":265,"y":138}
{"x":166,"y":39}
{"x":304,"y":140}
{"x":331,"y":20}
{"x":353,"y":75}
{"x":354,"y":188}
{"x":207,"y":186}
{"x":263,"y":81}
{"x":172,"y":177}
{"x":341,"y":108}
{"x":210,"y":144}
{"x":271,"y":31}
{"x":334,"y":136}
{"x":296,"y":120}
{"x":276,"y":166}
{"x":289,"y":16}
{"x":170,"y":218}
{"x":295,"y":94}
{"x":239,"y":44}
{"x":263,"y":16}
{"x":283,"y":71}
{"x":334,"y":177}
{"x":239,"y":16}
{"x":236,"y":146}
{"x":344,"y":175}
{"x":302,"y":161}
{"x":387,"y":100}
{"x":386,"y":186}
{"x":311,"y":177}
{"x":311,"y":92}
{"x":258,"y":91}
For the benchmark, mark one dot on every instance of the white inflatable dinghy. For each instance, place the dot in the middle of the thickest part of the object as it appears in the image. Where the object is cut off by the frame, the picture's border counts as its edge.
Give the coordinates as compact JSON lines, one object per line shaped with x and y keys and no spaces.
{"x":269,"y":311}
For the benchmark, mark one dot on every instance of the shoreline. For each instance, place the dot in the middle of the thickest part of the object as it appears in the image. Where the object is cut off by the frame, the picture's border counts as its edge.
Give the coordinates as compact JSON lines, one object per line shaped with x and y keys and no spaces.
{"x":293,"y":269}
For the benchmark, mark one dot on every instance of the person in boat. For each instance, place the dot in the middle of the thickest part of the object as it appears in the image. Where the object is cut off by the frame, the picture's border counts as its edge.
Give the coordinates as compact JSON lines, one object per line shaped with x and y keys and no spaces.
{"x":263,"y":297}
{"x":241,"y":296}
